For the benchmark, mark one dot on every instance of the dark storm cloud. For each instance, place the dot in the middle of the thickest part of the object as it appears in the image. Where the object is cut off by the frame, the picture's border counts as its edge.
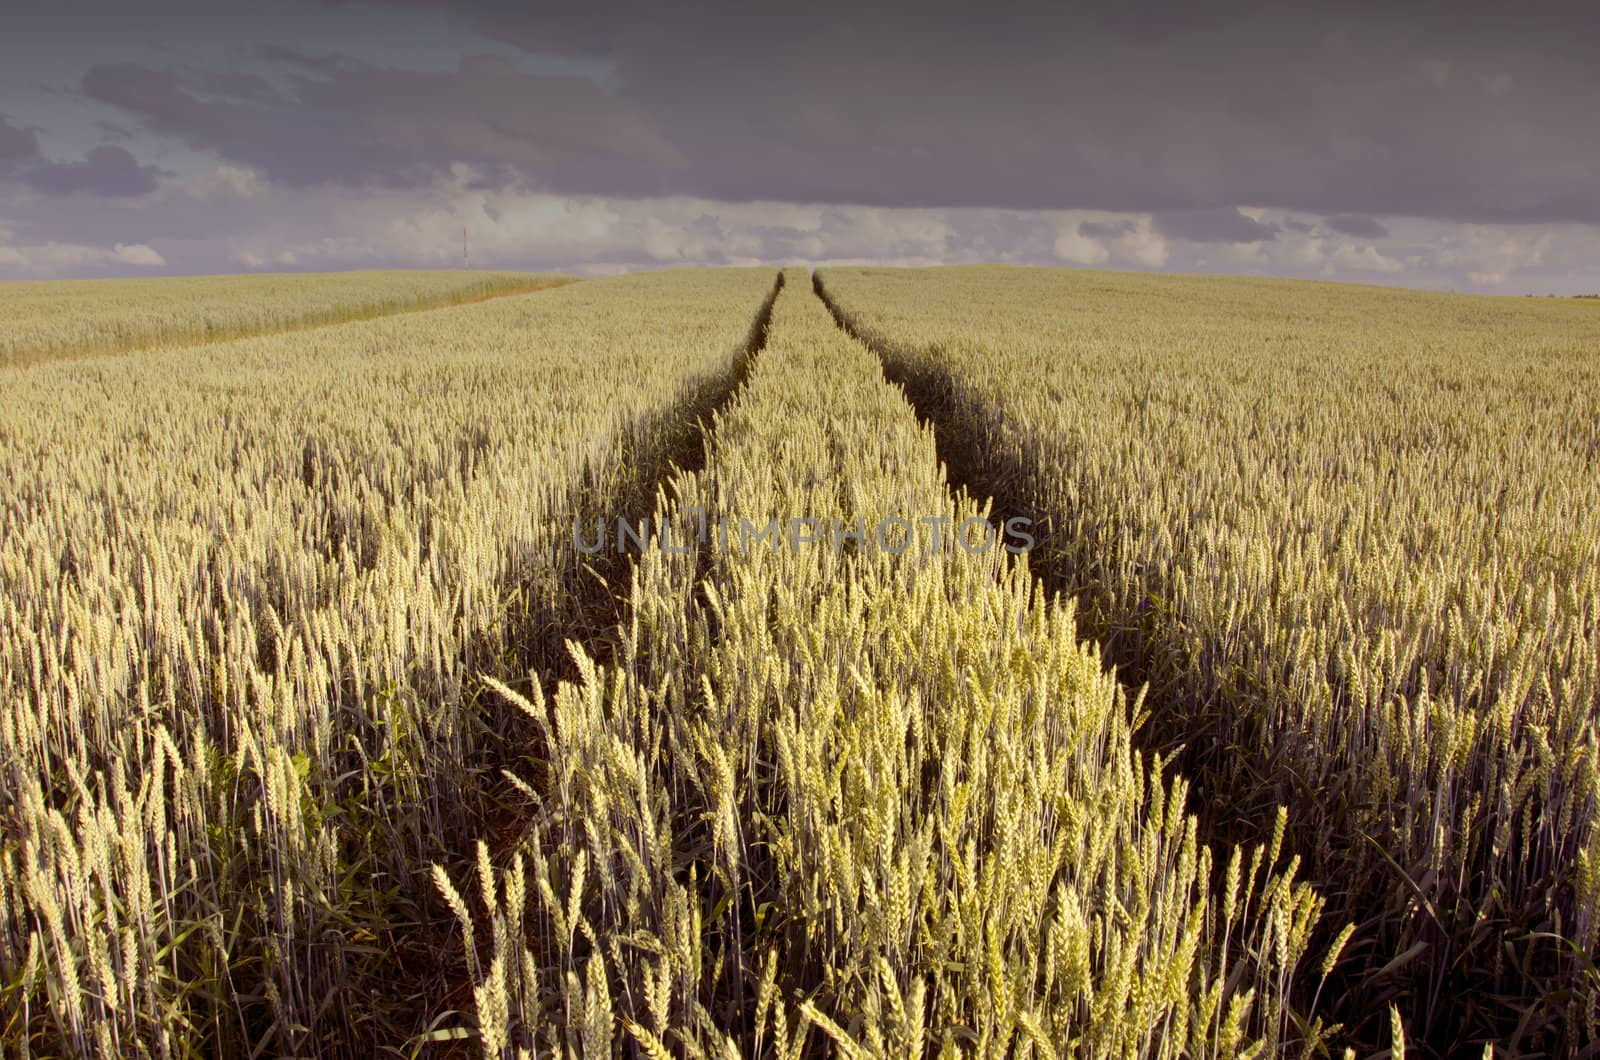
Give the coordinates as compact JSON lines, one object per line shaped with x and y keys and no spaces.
{"x":1468,"y":110}
{"x":608,"y":132}
{"x":107,"y":170}
{"x":1105,"y":229}
{"x":1464,"y":111}
{"x":16,"y":145}
{"x":1213,"y":226}
{"x":1358,"y":225}
{"x":334,"y":120}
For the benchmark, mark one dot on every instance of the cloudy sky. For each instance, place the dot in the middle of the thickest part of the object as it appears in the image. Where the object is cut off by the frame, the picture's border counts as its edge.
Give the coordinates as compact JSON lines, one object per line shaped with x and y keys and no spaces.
{"x":1451,"y":144}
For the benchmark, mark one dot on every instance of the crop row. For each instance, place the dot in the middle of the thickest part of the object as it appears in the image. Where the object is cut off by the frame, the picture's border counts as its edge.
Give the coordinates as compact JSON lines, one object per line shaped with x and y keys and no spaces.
{"x":1349,"y":537}
{"x":856,"y":788}
{"x":75,"y":318}
{"x":246,"y":591}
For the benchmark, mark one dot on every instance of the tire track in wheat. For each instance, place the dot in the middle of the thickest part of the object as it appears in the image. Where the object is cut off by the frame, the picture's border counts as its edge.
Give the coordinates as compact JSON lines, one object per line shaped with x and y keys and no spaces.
{"x":589,"y":614}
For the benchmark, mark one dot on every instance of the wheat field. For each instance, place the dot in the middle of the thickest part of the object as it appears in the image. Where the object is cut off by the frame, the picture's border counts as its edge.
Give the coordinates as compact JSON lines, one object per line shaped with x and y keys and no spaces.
{"x":50,"y":319}
{"x":246,"y":611}
{"x":1351,"y":538}
{"x":964,"y":662}
{"x":869,"y":796}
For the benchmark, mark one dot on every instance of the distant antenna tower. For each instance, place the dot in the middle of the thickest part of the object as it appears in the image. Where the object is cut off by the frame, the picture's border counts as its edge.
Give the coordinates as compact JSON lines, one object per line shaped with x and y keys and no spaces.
{"x":466,"y":259}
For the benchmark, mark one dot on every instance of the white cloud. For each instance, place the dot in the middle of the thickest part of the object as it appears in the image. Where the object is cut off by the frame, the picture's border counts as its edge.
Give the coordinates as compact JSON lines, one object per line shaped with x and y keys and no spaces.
{"x":138,"y":254}
{"x":1307,"y":252}
{"x":531,"y":230}
{"x":226,"y":181}
{"x":1144,"y":246}
{"x":1491,"y":255}
{"x":594,"y":235}
{"x":229,"y":220}
{"x":1362,"y":258}
{"x":1072,"y":245}
{"x":48,"y":260}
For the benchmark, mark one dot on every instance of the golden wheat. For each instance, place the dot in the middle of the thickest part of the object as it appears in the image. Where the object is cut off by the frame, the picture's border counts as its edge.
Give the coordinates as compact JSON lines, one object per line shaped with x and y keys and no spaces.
{"x":872,"y":790}
{"x":1352,"y":538}
{"x":46,"y":320}
{"x":245,"y":591}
